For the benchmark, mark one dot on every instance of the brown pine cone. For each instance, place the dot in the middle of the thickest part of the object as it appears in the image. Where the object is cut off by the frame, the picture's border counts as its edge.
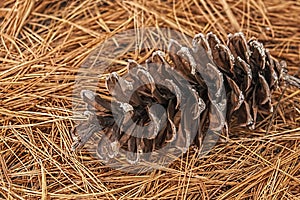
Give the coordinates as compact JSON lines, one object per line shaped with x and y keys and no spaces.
{"x":181,"y":95}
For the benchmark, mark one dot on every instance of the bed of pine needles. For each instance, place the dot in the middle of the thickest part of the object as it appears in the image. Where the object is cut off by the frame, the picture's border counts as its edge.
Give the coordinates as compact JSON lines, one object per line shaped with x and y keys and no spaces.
{"x":44,"y":42}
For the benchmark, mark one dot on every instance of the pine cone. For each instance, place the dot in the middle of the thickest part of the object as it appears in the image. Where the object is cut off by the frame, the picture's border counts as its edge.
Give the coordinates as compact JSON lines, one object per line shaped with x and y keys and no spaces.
{"x":193,"y":86}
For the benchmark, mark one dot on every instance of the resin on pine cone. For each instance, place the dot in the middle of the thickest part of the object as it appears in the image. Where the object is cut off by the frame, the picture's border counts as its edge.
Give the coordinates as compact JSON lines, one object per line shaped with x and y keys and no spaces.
{"x":180,"y":94}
